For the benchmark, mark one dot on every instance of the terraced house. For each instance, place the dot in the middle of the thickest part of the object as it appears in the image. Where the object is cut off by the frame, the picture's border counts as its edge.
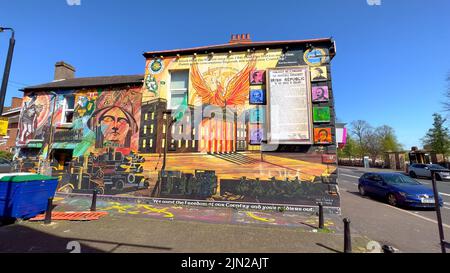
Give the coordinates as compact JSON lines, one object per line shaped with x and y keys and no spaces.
{"x":244,"y":121}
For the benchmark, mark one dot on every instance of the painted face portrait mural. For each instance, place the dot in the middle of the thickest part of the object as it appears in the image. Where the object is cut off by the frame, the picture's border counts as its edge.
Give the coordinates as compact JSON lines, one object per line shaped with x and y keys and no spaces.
{"x":257,"y":77}
{"x":33,"y":118}
{"x":322,"y":135}
{"x":115,"y":121}
{"x":320,"y":94}
{"x":257,"y":97}
{"x":319,"y":74}
{"x":256,"y":135}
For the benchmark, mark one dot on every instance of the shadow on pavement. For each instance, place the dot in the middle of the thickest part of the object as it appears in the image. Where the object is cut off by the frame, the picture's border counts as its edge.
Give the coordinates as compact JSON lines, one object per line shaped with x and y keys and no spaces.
{"x":20,"y":239}
{"x":329,"y":248}
{"x":16,"y":238}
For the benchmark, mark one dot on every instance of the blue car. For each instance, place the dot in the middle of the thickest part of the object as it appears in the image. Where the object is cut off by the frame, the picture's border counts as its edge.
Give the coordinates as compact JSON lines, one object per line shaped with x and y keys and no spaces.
{"x":397,"y":189}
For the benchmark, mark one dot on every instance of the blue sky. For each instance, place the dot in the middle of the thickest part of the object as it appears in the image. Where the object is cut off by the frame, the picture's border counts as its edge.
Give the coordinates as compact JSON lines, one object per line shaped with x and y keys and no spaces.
{"x":391,"y":63}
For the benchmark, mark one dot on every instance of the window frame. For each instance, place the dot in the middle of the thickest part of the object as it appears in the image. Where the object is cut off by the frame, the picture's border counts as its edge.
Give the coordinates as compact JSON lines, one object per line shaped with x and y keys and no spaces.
{"x":177,"y":91}
{"x":65,"y":110}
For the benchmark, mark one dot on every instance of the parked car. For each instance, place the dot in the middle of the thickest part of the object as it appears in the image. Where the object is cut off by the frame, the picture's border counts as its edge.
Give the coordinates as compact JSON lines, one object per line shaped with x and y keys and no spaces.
{"x":424,"y":170}
{"x":5,"y":165}
{"x":397,"y":189}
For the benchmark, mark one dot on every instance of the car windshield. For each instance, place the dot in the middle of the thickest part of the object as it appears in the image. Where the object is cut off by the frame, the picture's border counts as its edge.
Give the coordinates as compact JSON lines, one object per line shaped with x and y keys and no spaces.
{"x":436,"y":166}
{"x":399,"y":179}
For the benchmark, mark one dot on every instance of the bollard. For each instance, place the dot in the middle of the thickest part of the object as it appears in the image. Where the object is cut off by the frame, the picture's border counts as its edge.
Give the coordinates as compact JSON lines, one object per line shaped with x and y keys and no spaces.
{"x":321,"y":223}
{"x":94,"y":200}
{"x":388,"y":249}
{"x":347,"y":236}
{"x":48,"y":212}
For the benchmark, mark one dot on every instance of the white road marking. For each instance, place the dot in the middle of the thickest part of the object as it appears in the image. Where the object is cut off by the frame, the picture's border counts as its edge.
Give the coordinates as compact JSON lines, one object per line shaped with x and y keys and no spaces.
{"x":445,"y":203}
{"x":350,"y":175}
{"x":446,"y":207}
{"x":417,"y":215}
{"x":446,"y":194}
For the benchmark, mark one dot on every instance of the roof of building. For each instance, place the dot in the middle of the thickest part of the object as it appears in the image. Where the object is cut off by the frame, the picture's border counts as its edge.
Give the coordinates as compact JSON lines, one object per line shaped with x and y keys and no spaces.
{"x":11,"y":112}
{"x":88,"y":82}
{"x":242,"y":45}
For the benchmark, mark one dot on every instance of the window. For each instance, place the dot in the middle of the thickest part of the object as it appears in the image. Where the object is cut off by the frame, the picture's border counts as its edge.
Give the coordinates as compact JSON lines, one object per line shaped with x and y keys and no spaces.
{"x":178,"y":88}
{"x":68,"y":109}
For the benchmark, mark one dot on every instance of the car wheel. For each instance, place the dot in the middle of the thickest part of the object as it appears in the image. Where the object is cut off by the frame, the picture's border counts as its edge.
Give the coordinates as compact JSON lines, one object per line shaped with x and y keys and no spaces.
{"x":362,"y":191}
{"x":120,"y":185}
{"x":392,"y":200}
{"x":412,"y":174}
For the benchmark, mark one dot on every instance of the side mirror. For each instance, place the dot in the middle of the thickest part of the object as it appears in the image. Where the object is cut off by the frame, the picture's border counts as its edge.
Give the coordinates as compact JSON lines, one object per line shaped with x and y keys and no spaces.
{"x":426,"y":168}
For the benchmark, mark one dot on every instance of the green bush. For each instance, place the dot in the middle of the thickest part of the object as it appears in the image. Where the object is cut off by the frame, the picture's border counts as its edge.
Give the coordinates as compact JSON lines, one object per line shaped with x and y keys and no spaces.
{"x":6,"y":155}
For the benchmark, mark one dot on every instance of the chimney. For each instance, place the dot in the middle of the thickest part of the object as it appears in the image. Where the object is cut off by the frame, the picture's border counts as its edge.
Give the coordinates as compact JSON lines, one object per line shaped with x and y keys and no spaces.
{"x":64,"y":71}
{"x":240,"y":38}
{"x":16,"y":102}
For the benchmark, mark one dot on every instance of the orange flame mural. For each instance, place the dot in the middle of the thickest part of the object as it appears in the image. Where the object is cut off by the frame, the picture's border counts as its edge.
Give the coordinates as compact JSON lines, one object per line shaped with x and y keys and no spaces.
{"x":231,"y":91}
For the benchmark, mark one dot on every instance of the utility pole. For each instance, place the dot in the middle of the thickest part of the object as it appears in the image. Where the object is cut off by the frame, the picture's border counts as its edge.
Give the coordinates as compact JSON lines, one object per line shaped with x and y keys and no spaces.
{"x":12,"y":42}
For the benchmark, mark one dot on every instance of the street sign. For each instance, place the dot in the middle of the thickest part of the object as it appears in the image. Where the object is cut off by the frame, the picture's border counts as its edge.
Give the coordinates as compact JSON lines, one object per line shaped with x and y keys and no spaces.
{"x":3,"y":126}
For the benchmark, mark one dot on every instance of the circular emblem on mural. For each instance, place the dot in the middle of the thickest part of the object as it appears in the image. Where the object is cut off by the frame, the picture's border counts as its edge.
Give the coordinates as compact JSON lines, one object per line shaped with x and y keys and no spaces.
{"x":156,"y":66}
{"x":316,"y":56}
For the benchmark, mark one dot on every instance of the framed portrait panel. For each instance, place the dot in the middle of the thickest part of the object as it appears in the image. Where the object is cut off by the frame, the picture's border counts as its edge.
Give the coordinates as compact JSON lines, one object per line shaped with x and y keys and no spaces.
{"x":257,"y":115}
{"x":320,"y":93}
{"x":257,"y":97}
{"x":321,"y":114}
{"x":322,"y":135}
{"x":319,"y":73}
{"x":256,"y":135}
{"x":257,"y":77}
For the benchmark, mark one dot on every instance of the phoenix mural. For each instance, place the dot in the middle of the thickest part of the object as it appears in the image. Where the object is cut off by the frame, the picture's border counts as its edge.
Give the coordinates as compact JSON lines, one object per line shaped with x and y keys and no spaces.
{"x":221,"y":86}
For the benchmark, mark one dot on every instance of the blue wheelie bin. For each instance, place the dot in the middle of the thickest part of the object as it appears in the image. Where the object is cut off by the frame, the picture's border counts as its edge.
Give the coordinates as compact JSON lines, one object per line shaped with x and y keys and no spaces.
{"x":25,"y":196}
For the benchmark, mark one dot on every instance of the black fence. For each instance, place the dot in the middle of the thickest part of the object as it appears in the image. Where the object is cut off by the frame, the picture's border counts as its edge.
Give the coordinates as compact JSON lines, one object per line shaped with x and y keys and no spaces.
{"x":360,"y":163}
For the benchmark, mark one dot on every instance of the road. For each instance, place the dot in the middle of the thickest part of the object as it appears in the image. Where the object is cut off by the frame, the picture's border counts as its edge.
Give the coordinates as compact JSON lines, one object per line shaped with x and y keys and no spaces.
{"x":408,"y":230}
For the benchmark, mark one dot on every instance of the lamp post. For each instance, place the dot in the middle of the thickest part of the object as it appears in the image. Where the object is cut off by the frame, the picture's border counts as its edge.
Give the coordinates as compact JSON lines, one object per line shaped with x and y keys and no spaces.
{"x":4,"y":86}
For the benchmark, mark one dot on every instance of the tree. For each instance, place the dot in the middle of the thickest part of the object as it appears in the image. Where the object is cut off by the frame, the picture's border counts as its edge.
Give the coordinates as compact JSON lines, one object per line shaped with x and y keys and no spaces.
{"x":389,"y":142}
{"x":349,"y":149}
{"x":369,"y":141}
{"x":360,"y":129}
{"x":438,"y":136}
{"x":447,"y":95}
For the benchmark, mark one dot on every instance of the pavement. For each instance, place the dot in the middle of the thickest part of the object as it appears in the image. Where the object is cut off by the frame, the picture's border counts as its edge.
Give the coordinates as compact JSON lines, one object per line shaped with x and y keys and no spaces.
{"x":139,"y":227}
{"x":408,"y":230}
{"x":142,"y":227}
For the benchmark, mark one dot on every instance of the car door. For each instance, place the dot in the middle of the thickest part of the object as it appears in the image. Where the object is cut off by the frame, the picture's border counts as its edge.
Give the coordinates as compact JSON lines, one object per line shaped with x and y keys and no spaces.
{"x":380,"y":189}
{"x":369,"y":185}
{"x":420,"y":170}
